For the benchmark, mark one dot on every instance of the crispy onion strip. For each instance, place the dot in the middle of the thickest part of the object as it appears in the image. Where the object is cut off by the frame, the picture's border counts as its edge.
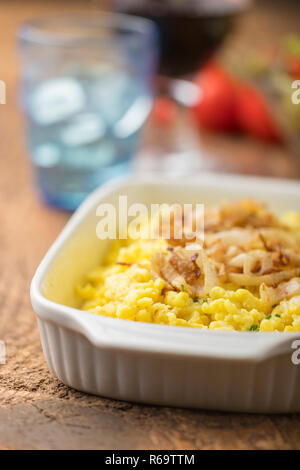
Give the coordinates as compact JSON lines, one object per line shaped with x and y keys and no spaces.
{"x":252,"y":280}
{"x":273,"y":295}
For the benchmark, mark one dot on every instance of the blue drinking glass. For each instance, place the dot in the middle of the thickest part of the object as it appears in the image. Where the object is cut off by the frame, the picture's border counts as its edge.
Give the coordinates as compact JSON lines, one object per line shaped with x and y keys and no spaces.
{"x":86,"y":90}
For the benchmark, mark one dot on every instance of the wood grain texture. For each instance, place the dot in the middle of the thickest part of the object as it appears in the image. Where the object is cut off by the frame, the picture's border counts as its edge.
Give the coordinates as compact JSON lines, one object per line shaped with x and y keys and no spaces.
{"x":36,"y":410}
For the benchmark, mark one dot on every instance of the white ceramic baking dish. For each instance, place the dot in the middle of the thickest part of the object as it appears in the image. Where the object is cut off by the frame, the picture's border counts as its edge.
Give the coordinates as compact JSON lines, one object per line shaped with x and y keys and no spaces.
{"x":151,"y":363}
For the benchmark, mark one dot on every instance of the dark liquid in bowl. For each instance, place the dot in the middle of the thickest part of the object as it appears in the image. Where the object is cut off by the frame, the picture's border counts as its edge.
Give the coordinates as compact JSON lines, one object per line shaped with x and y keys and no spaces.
{"x":190,"y":30}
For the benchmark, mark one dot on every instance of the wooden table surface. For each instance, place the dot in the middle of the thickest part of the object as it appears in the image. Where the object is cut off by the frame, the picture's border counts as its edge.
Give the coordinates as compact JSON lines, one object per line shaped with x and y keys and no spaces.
{"x":36,"y":410}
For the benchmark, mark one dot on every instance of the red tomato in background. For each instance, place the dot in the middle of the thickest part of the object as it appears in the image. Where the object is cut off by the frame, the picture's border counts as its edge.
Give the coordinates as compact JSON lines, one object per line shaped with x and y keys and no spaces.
{"x":216,"y":108}
{"x":253,"y":115}
{"x":164,"y":111}
{"x":293,"y":67}
{"x":227,"y":105}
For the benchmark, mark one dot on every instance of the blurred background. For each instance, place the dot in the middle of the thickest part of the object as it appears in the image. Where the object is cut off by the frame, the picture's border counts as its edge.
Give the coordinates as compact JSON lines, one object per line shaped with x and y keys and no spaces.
{"x":208,"y":88}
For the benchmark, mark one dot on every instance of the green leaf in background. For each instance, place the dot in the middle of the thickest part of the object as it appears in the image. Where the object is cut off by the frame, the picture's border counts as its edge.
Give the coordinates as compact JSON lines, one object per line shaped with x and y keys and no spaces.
{"x":291,"y":45}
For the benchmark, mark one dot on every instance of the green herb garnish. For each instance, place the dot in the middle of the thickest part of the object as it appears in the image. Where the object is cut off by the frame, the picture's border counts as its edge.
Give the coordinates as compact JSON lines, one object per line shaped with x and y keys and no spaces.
{"x":182,"y":288}
{"x":253,"y":328}
{"x":277,"y":315}
{"x":268,"y":316}
{"x":204,"y":300}
{"x":196,"y":299}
